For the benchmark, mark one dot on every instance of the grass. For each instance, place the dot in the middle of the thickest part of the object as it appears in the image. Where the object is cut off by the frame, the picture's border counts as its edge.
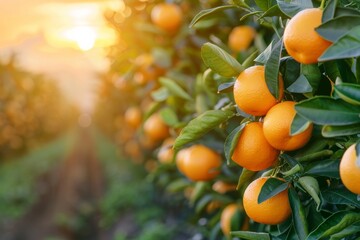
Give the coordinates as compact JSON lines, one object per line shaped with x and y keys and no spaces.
{"x":19,"y":176}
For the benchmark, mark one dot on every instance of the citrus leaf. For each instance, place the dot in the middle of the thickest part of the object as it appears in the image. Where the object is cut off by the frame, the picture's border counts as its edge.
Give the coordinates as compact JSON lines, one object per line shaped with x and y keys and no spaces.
{"x":160,"y":94}
{"x":251,"y":235}
{"x":220,"y":61}
{"x":312,"y":74}
{"x":265,"y":55}
{"x":209,"y":81}
{"x":340,"y":196}
{"x":324,"y":168}
{"x":298,"y":215}
{"x":351,"y":230}
{"x":333,"y":29}
{"x":271,"y":188}
{"x":237,"y":220}
{"x":311,"y":186}
{"x":325,"y":110}
{"x":329,"y":10}
{"x":249,"y":60}
{"x":334,"y":224}
{"x":337,"y":131}
{"x":174,"y":88}
{"x":208,"y":12}
{"x":226,"y":87}
{"x":199,"y":189}
{"x":231,"y":142}
{"x":169,"y":116}
{"x":272,"y":12}
{"x":357,"y":150}
{"x":249,"y":15}
{"x":265,"y":4}
{"x":348,"y":92}
{"x":301,"y":85}
{"x":272,"y":69}
{"x":201,"y":125}
{"x":292,"y":7}
{"x":245,"y":177}
{"x":346,"y":46}
{"x":299,"y":125}
{"x":346,"y":74}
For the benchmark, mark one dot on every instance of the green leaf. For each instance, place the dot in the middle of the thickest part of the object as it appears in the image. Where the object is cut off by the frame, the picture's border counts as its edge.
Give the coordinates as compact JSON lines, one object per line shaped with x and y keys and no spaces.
{"x":162,"y":57}
{"x":220,"y":61}
{"x":311,"y":186}
{"x":299,"y":125}
{"x":245,"y":177}
{"x":338,"y":131}
{"x":265,"y":4}
{"x":333,"y":29}
{"x":346,"y":74}
{"x":174,"y":88}
{"x":201,"y":125}
{"x":346,"y":11}
{"x":325,"y":110}
{"x":271,"y":188}
{"x":169,"y":116}
{"x":329,"y":10}
{"x":346,"y":47}
{"x":272,"y":69}
{"x":209,"y":81}
{"x":160,"y":94}
{"x":208,"y":12}
{"x":357,"y":150}
{"x":292,"y":7}
{"x":249,"y":15}
{"x":226,"y":87}
{"x":325,"y":168}
{"x":251,"y":235}
{"x":274,"y":11}
{"x":301,"y":85}
{"x":348,"y":92}
{"x":237,"y":220}
{"x":340,"y":196}
{"x":357,"y":68}
{"x":249,"y":60}
{"x":312,"y":74}
{"x":199,"y":190}
{"x":334,"y":224}
{"x":298,"y":215}
{"x":351,"y":230}
{"x":152,"y":109}
{"x":231,"y":142}
{"x":265,"y":55}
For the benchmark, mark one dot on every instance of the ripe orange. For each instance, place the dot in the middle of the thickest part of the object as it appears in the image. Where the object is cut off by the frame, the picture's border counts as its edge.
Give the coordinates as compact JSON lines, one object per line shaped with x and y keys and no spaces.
{"x":180,"y":159}
{"x":226,"y":215}
{"x":166,"y":152}
{"x":277,"y":124}
{"x":251,"y":93}
{"x":253,"y":151}
{"x":223,"y":187}
{"x":241,"y":37}
{"x":167,"y":16}
{"x":350,"y":171}
{"x":133,"y":116}
{"x":155,"y":128}
{"x":274,"y":210}
{"x":301,"y":40}
{"x":199,"y":163}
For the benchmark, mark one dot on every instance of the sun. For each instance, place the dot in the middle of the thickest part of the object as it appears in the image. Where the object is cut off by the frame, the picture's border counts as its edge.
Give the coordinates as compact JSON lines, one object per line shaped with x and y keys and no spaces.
{"x":84,"y":36}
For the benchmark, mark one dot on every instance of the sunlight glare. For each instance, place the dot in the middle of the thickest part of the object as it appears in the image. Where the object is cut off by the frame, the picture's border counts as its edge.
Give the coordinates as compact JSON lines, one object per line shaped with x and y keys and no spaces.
{"x":83,"y":36}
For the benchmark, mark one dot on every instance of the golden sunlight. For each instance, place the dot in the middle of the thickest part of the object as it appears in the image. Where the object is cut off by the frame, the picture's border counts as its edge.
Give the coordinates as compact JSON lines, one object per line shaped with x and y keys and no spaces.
{"x":84,"y":36}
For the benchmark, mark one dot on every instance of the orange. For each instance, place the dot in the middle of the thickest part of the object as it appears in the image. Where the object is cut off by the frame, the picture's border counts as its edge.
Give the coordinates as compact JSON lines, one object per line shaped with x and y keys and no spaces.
{"x":301,"y":40}
{"x":223,"y":187}
{"x":212,"y":206}
{"x":167,"y":16}
{"x":350,"y":171}
{"x":226,"y":215}
{"x":241,"y":37}
{"x":274,"y":210}
{"x":251,"y":93}
{"x":199,"y":163}
{"x":133,"y":116}
{"x":155,"y":128}
{"x":166,"y":152}
{"x":277,"y":124}
{"x":253,"y":151}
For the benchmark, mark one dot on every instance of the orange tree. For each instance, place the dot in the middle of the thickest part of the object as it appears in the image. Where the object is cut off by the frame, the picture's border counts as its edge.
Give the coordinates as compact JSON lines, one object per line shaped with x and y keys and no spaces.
{"x":281,"y":106}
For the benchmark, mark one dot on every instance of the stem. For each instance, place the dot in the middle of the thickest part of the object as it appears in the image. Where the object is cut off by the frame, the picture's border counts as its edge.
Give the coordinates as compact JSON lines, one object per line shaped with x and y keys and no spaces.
{"x":275,"y":29}
{"x":322,"y":5}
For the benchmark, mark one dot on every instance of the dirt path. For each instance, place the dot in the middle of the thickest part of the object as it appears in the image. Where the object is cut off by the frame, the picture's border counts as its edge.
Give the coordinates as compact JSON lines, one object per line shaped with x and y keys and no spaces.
{"x":68,"y":208}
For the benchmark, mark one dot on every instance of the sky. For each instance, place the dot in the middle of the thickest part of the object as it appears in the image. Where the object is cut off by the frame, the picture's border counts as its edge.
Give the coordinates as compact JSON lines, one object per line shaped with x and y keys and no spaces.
{"x":65,"y":39}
